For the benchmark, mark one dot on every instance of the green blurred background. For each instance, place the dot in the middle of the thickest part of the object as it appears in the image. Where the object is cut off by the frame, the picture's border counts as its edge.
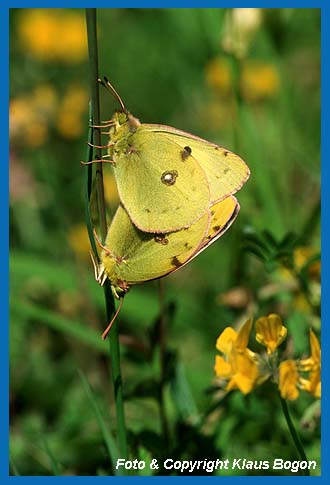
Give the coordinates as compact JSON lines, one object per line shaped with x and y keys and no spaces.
{"x":247,"y":79}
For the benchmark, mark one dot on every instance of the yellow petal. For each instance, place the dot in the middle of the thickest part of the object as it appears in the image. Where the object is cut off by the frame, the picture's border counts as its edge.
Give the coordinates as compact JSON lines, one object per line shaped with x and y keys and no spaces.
{"x":242,"y":339}
{"x":313,"y":384}
{"x":270,"y":332}
{"x":221,"y":367}
{"x":315,"y":347}
{"x":225,"y":340}
{"x":245,"y":372}
{"x":288,"y":380}
{"x":313,"y":362}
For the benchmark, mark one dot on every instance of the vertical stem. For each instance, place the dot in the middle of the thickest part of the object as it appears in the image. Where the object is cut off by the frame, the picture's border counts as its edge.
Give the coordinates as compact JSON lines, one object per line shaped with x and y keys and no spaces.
{"x":116,"y":375}
{"x":110,"y":306}
{"x":294,"y":433}
{"x":94,"y":74}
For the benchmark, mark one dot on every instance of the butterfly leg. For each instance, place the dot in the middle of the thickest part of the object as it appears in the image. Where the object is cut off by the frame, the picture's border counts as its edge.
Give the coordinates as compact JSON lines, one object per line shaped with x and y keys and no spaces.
{"x":99,"y":146}
{"x":99,"y":274}
{"x":105,"y":249}
{"x":101,"y":160}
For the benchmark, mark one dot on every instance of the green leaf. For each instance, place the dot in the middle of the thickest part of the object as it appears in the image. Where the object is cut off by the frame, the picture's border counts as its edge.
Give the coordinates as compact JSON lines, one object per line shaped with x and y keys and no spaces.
{"x":107,"y":436}
{"x":182,"y":395}
{"x":55,"y":466}
{"x":70,"y":328}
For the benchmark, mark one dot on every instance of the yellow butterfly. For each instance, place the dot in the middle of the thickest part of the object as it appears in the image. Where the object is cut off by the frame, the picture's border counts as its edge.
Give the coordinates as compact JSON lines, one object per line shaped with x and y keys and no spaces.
{"x":130,"y":256}
{"x":167,"y":179}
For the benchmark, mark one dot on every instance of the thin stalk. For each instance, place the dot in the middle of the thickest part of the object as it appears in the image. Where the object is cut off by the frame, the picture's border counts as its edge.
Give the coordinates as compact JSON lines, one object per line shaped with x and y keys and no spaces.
{"x":109,"y":300}
{"x":294,"y":433}
{"x":94,"y":86}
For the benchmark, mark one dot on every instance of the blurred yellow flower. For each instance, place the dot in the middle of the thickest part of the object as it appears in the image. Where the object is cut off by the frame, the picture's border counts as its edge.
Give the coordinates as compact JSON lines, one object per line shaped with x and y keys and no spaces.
{"x":288,"y":380}
{"x":45,"y":98}
{"x":79,"y":241}
{"x":29,"y":115}
{"x":218,"y":75}
{"x":313,"y":365}
{"x":270,"y":332}
{"x":32,"y":114}
{"x":70,"y":122}
{"x":241,"y":25}
{"x":53,"y":34}
{"x":301,"y":255}
{"x":259,"y":80}
{"x":239,"y":364}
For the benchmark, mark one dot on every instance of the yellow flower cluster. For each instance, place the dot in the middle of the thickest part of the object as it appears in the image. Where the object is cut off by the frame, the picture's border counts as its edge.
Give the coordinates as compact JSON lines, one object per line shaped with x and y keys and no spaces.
{"x":243,"y":369}
{"x":53,"y":34}
{"x":258,"y":79}
{"x":32,"y":114}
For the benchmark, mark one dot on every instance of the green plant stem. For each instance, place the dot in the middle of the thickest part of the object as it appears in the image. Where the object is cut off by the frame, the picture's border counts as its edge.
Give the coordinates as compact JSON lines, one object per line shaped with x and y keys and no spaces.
{"x":294,"y":433}
{"x":94,"y":86}
{"x":110,"y":306}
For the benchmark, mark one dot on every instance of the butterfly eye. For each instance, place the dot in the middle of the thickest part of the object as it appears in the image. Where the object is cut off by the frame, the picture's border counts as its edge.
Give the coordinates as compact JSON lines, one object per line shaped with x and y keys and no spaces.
{"x":169,"y":178}
{"x":186,"y":152}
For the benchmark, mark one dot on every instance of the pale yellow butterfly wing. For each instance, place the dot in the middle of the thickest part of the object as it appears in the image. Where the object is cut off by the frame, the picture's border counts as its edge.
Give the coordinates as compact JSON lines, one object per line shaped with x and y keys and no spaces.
{"x":225,"y":171}
{"x":162,"y":188}
{"x":135,"y":256}
{"x":223,"y":214}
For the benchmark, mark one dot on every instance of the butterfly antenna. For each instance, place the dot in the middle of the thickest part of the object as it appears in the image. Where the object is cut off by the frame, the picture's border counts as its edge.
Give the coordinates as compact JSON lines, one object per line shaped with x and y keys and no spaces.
{"x":107,"y":84}
{"x":107,"y":330}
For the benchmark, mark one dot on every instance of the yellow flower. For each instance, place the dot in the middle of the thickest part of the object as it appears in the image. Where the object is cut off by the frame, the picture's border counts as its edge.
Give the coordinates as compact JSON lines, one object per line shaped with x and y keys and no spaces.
{"x":218,"y":75}
{"x":44,"y":99}
{"x":70,"y":123}
{"x":270,"y":332}
{"x":302,"y":255}
{"x":30,"y":115}
{"x":239,"y":364}
{"x":288,"y":380}
{"x":53,"y":34}
{"x":313,"y":365}
{"x":259,"y":80}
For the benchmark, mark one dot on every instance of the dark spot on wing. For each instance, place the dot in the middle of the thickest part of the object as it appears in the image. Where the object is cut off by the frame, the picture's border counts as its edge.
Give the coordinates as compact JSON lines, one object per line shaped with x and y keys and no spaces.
{"x":146,"y":210}
{"x":169,"y":177}
{"x":175,"y":262}
{"x":216,"y":228}
{"x":225,"y":153}
{"x":212,"y":213}
{"x":186,"y":152}
{"x":187,"y":246}
{"x":160,"y":238}
{"x":226,"y":170}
